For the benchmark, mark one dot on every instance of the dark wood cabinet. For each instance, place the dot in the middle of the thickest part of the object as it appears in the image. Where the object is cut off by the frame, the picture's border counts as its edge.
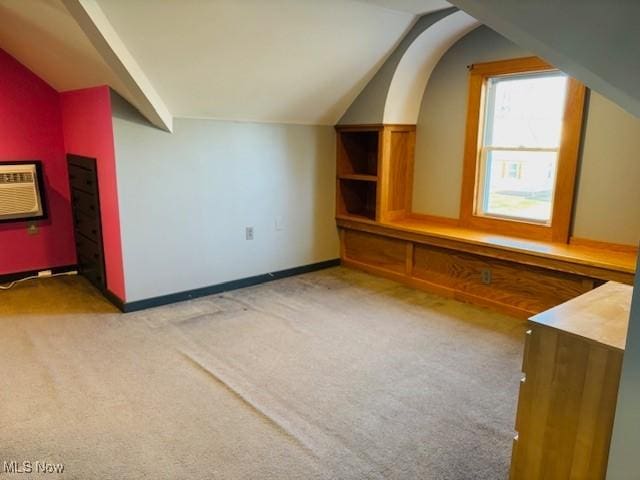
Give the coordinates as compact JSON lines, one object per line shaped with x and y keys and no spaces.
{"x":85,"y":201}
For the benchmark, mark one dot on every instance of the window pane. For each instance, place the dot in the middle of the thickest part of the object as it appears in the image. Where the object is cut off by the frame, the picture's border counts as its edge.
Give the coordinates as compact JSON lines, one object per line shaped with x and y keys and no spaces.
{"x":519,"y":184}
{"x":525,"y":110}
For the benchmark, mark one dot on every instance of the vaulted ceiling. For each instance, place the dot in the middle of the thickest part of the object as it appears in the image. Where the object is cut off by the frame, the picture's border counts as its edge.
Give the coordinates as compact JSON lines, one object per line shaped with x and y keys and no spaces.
{"x":279,"y":60}
{"x":291,"y":61}
{"x":43,"y":36}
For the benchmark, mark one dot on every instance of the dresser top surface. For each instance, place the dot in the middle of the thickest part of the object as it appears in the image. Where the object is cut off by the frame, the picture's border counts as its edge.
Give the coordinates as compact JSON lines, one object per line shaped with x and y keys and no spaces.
{"x":601,"y":315}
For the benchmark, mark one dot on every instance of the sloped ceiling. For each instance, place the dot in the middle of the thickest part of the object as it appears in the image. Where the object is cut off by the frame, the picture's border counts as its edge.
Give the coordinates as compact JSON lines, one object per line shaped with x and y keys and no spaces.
{"x":43,"y":36}
{"x":595,"y":41}
{"x":417,"y":7}
{"x":293,"y":61}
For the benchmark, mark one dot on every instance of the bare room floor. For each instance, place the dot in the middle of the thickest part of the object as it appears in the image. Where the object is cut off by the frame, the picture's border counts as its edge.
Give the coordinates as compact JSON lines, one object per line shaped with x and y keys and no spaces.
{"x":329,"y":375}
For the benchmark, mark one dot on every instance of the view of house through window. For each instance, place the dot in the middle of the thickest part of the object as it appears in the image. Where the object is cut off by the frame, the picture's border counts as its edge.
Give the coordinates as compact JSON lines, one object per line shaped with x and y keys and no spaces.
{"x":520,"y":144}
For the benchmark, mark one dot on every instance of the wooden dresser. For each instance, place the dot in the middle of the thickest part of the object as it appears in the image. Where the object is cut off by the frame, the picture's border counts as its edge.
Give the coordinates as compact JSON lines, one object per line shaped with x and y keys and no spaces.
{"x":571,"y":371}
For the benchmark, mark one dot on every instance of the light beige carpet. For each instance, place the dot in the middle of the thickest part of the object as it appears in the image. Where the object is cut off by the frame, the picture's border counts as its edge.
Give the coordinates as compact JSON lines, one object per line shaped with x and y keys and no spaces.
{"x":329,"y":375}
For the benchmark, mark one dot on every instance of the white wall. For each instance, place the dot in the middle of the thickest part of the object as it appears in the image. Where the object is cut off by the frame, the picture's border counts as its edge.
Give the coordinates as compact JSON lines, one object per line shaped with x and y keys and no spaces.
{"x":624,"y":461}
{"x":608,"y":198}
{"x":186,"y":198}
{"x":442,"y":120}
{"x":607,"y":206}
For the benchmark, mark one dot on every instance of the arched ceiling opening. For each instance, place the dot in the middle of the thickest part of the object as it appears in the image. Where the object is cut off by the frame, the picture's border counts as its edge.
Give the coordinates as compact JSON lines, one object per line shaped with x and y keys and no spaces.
{"x":404,"y":96}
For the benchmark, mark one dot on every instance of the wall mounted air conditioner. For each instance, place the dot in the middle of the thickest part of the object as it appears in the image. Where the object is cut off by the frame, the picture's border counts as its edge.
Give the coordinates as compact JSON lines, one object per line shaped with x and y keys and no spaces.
{"x":21,"y":191}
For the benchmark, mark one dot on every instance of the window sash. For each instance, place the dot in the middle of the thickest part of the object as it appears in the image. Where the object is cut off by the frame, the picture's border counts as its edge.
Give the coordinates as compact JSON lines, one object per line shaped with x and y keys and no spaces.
{"x":484,"y":182}
{"x":490,"y":100}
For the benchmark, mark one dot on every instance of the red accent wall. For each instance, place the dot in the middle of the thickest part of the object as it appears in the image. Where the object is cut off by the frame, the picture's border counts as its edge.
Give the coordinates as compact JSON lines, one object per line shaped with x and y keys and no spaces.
{"x":38,"y":123}
{"x":31,"y":129}
{"x":88,"y":131}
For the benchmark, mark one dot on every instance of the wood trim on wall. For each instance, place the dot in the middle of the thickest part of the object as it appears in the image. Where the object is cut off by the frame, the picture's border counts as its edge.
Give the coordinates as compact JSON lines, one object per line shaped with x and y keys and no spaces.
{"x":514,"y":65}
{"x":384,"y":151}
{"x":558,"y":231}
{"x":423,"y":217}
{"x":396,"y":181}
{"x":597,"y":244}
{"x":568,"y":161}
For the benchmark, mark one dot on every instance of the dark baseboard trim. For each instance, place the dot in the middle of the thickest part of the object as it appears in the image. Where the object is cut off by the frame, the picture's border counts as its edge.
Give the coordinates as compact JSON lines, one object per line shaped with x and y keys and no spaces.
{"x":114,"y":299}
{"x":224,"y":287}
{"x":12,"y":277}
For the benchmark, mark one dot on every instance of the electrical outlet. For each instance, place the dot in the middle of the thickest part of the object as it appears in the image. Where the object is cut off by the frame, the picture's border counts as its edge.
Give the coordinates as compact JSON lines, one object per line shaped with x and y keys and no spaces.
{"x":485,"y":276}
{"x":249,"y":233}
{"x":32,"y":228}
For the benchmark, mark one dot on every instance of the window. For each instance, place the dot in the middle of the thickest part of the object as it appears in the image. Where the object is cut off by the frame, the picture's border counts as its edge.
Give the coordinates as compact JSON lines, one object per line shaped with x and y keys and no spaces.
{"x":523,"y":131}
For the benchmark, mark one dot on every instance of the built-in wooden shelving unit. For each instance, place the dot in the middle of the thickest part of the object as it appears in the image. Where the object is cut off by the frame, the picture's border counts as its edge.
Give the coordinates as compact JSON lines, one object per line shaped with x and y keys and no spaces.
{"x":357,"y":167}
{"x":380,"y":234}
{"x":374,"y":168}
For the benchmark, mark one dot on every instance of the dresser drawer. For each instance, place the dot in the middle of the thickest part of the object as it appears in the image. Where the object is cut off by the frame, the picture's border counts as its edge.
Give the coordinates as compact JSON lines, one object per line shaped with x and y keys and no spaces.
{"x":89,"y":252}
{"x":522,"y":403}
{"x":90,"y":261}
{"x":82,"y":179}
{"x":95,"y":275}
{"x":88,"y":227}
{"x":85,"y":202}
{"x":514,"y":455}
{"x":528,"y":335}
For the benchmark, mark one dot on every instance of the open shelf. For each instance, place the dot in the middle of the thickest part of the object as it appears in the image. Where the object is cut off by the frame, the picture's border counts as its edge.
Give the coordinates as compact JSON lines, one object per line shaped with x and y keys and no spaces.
{"x":362,"y":178}
{"x":357,"y":198}
{"x":358,"y":152}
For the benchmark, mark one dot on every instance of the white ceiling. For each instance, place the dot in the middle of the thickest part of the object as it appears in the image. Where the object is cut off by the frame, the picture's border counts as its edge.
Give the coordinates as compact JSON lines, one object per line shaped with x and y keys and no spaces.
{"x":417,"y":7}
{"x":290,"y":61}
{"x":43,"y":36}
{"x":293,"y":61}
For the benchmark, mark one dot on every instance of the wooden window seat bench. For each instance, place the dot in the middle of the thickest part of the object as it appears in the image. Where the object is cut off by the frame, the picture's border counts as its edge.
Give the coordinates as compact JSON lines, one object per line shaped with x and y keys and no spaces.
{"x":512,"y":275}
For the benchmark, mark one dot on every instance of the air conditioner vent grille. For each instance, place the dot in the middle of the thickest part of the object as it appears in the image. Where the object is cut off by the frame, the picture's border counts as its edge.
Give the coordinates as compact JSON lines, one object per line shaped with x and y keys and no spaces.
{"x":20,"y":198}
{"x":16,"y":177}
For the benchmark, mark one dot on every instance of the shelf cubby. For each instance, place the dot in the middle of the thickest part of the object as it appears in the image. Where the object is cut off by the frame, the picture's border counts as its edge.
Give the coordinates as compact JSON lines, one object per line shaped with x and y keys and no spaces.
{"x":374,"y":171}
{"x":358,"y":152}
{"x":357,"y":198}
